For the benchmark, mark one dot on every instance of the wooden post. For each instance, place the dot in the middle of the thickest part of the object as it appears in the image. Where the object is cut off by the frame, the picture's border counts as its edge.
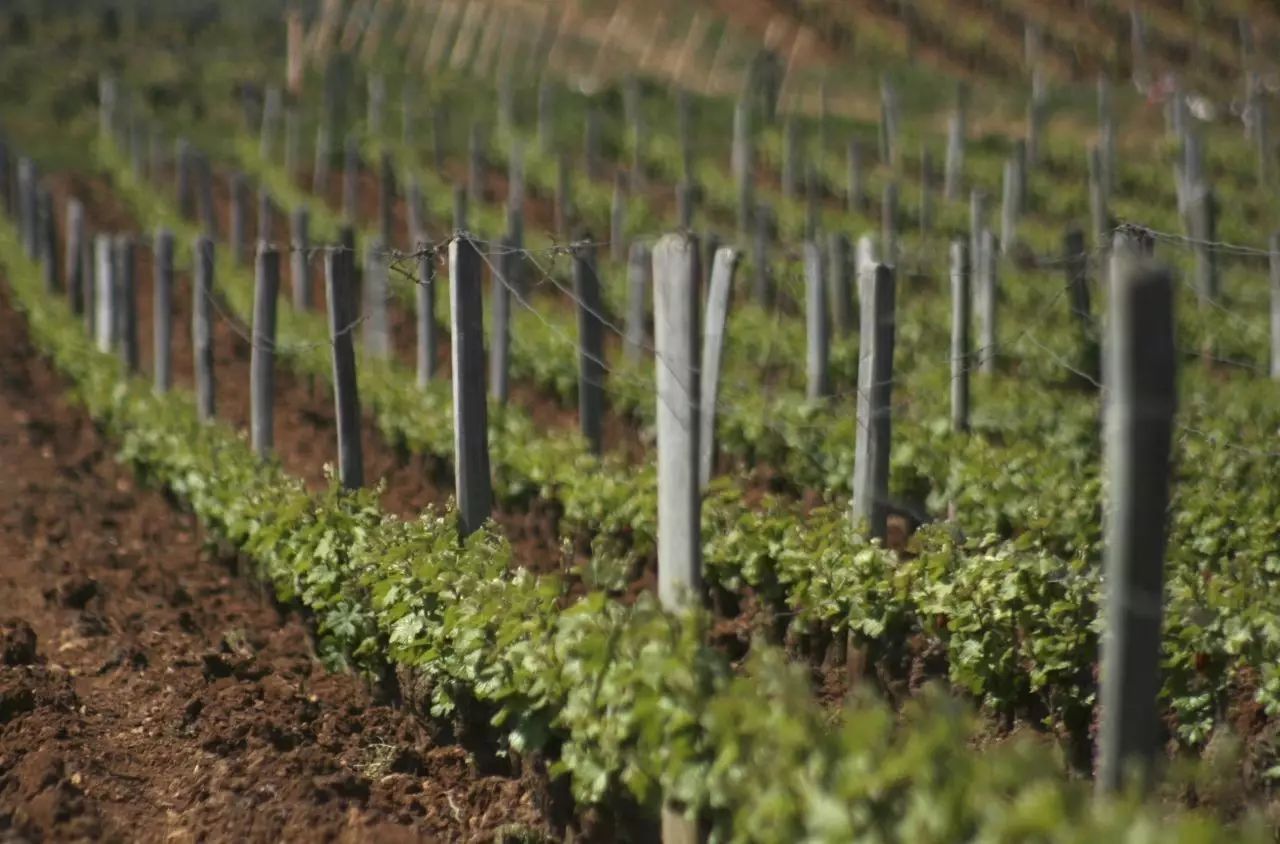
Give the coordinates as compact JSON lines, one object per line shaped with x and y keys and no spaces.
{"x":840,"y":287}
{"x":710,"y":243}
{"x":238,"y":211}
{"x":425,"y":299}
{"x":762,"y":283}
{"x":855,"y":189}
{"x":75,"y":248}
{"x":459,"y":208}
{"x":562,"y":196}
{"x":300,"y":259}
{"x":875,"y":390}
{"x":977,"y":222}
{"x":1204,"y":230}
{"x":721,"y":290}
{"x":48,"y":245}
{"x":790,"y":156}
{"x":1275,"y":305}
{"x":272,"y":105}
{"x":743,"y":165}
{"x":675,"y":308}
{"x":591,"y":144}
{"x":126,"y":306}
{"x":1076,"y":262}
{"x":1099,"y":217}
{"x":340,"y":297}
{"x":104,"y":327}
{"x":470,"y":422}
{"x":262,"y":359}
{"x":202,"y":327}
{"x":162,"y":310}
{"x":889,"y":225}
{"x":350,"y":178}
{"x":376,"y":292}
{"x":500,"y":340}
{"x":27,"y":205}
{"x":88,"y":260}
{"x":320,"y":169}
{"x":639,"y":266}
{"x":1021,"y":162}
{"x":266,"y":212}
{"x":1141,"y":395}
{"x":864,"y":259}
{"x":1009,"y":205}
{"x":960,"y":346}
{"x":475,"y":166}
{"x":591,"y":369}
{"x":988,"y":294}
{"x":386,"y":198}
{"x":817,"y":330}
{"x":812,"y":216}
{"x":617,"y":218}
{"x":926,"y":190}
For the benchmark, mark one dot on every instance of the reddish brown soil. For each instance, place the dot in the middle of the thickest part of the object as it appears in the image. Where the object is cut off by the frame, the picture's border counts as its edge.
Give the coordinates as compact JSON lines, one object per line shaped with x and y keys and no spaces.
{"x":147,"y":693}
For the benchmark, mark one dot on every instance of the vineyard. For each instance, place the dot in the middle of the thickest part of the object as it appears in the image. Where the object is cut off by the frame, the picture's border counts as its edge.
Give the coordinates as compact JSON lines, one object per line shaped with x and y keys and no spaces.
{"x":493,"y":420}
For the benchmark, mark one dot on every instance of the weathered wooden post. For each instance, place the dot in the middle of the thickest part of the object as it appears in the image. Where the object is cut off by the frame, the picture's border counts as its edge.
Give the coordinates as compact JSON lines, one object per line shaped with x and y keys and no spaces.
{"x":320,"y":169}
{"x":591,"y":370}
{"x":718,"y":296}
{"x":104,"y":327}
{"x":889,"y":225}
{"x":1141,"y":389}
{"x":875,"y":391}
{"x":840,"y":287}
{"x":162,"y":310}
{"x":126,"y":305}
{"x":459,"y":208}
{"x":960,"y":346}
{"x":239,"y":211}
{"x":202,"y":327}
{"x":300,"y":258}
{"x":75,"y":246}
{"x":500,"y":335}
{"x":639,"y":266}
{"x":1009,"y":205}
{"x":977,"y":222}
{"x":376,"y":292}
{"x":675,"y":308}
{"x":425,"y":299}
{"x":1099,"y":217}
{"x":470,"y":413}
{"x":350,"y":178}
{"x":340,"y":298}
{"x":262,"y":361}
{"x":1275,"y":305}
{"x":617,"y":218}
{"x":475,"y":165}
{"x":817,"y":329}
{"x":28,"y":206}
{"x":957,"y":129}
{"x":386,"y":199}
{"x":272,"y":106}
{"x":1204,"y":231}
{"x":855,"y":189}
{"x":790,"y":158}
{"x":926,"y":190}
{"x":988,"y":294}
{"x":48,"y":245}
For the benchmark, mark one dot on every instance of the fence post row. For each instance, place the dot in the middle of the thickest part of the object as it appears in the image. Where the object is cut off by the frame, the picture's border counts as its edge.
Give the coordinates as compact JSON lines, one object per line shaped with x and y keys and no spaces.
{"x":300,"y":258}
{"x":875,"y":390}
{"x":48,"y":241}
{"x":340,"y":296}
{"x":162,"y":310}
{"x":1141,"y":386}
{"x":724,"y":267}
{"x":591,"y":371}
{"x":470,"y":423}
{"x":104,"y":329}
{"x":263,"y":354}
{"x":202,"y":327}
{"x":817,"y":331}
{"x":987,"y":298}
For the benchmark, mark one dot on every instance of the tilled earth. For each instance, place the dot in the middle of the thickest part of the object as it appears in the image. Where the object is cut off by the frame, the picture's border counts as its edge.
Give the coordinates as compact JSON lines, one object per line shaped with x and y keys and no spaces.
{"x":147,"y":692}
